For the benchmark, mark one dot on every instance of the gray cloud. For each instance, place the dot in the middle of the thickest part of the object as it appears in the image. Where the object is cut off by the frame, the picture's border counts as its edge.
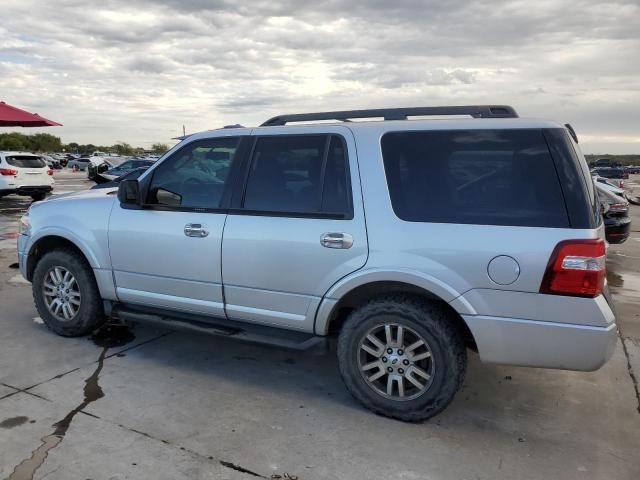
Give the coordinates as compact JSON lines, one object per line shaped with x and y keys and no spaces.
{"x":138,"y":70}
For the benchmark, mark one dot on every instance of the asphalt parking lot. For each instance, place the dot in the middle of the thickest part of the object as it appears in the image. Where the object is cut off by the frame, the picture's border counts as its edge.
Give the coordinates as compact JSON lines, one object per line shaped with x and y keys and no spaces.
{"x":170,"y":405}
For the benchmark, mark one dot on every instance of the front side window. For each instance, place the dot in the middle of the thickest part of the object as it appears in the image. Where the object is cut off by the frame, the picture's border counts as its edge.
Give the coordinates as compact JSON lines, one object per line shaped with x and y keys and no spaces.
{"x":304,"y":174}
{"x":485,"y":177}
{"x":194,"y":176}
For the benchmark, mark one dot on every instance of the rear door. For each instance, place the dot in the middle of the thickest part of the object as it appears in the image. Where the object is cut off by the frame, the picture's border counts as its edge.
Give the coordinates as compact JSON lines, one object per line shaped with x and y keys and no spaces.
{"x":296,"y":226}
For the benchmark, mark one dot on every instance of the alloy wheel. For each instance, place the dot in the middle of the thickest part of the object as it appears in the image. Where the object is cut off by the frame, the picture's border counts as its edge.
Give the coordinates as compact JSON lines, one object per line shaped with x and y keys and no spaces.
{"x":61,"y":293}
{"x":396,"y":361}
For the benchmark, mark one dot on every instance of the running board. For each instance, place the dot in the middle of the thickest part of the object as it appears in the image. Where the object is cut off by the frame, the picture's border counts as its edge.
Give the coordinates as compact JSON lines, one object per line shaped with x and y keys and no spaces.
{"x":248,"y":332}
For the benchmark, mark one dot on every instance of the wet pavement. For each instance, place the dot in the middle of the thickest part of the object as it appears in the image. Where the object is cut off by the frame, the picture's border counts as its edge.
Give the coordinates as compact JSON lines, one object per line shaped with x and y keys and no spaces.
{"x":152,"y":403}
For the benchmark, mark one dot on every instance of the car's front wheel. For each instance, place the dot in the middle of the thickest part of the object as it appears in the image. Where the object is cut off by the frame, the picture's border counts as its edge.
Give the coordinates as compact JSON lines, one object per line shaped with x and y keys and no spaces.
{"x":66,"y":294}
{"x":402,"y":357}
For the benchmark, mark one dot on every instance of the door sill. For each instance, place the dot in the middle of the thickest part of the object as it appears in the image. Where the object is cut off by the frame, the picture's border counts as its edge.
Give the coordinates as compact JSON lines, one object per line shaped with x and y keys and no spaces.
{"x":222,"y":327}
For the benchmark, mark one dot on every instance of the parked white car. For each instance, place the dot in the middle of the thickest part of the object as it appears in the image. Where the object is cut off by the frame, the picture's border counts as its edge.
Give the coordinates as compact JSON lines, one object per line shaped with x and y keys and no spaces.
{"x":25,"y":174}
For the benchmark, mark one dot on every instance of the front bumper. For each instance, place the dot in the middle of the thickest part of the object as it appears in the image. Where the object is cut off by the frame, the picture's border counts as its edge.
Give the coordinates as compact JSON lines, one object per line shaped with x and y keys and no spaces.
{"x":23,"y":254}
{"x":534,"y":343}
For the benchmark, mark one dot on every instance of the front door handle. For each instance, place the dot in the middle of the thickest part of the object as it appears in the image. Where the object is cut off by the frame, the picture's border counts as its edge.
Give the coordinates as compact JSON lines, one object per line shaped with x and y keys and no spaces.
{"x":336,"y":240}
{"x":196,"y":230}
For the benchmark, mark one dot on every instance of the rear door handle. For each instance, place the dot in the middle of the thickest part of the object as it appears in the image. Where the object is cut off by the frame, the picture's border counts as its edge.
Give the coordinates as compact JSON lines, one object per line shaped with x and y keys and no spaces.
{"x":196,"y":230}
{"x":336,"y":240}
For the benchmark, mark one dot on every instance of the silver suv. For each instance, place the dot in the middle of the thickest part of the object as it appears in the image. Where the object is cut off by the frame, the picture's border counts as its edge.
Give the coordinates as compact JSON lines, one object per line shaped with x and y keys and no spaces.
{"x":410,"y":240}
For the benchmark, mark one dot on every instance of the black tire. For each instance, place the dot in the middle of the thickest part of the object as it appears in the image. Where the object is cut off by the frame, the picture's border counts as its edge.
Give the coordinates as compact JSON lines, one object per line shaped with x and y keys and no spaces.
{"x":435,"y":325}
{"x":90,"y":314}
{"x":38,"y":196}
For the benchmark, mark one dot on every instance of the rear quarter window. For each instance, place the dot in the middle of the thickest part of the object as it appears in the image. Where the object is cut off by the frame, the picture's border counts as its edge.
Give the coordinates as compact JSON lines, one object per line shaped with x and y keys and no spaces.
{"x":25,"y":161}
{"x":484,"y":177}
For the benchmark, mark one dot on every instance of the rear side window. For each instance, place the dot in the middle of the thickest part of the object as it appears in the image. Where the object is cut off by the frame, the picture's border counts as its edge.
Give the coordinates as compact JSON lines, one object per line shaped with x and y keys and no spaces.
{"x":484,"y":177}
{"x":25,"y":161}
{"x":576,"y":181}
{"x":299,"y":174}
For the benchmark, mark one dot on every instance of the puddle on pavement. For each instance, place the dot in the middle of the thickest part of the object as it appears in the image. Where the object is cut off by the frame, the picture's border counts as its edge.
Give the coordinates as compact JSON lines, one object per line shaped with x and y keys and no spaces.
{"x":13,"y":422}
{"x":614,"y":279}
{"x":627,"y":284}
{"x":112,"y":335}
{"x":26,"y":469}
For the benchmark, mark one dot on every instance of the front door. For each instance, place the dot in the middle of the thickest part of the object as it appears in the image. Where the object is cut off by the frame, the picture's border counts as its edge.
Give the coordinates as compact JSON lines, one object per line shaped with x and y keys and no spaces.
{"x":167,"y":253}
{"x":297,"y":228}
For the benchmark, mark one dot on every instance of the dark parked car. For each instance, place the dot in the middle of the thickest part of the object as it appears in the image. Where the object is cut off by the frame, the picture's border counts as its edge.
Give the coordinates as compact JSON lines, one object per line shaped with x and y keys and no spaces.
{"x":120,"y":170}
{"x":132,"y":175}
{"x":604,"y":162}
{"x":615,"y":211}
{"x":611,"y":172}
{"x":51,"y":162}
{"x":95,"y":170}
{"x":632,"y":169}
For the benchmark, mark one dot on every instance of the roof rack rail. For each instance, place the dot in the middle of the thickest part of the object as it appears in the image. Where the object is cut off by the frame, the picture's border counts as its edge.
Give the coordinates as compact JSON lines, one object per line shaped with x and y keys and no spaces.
{"x":476,"y":111}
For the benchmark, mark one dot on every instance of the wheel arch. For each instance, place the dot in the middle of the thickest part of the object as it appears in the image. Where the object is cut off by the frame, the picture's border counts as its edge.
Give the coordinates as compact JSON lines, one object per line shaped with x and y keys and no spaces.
{"x":47,"y":243}
{"x":342,"y":299}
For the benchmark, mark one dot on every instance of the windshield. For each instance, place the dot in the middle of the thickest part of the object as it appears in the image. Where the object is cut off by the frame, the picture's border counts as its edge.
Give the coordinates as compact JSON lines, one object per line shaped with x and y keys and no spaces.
{"x":26,"y":161}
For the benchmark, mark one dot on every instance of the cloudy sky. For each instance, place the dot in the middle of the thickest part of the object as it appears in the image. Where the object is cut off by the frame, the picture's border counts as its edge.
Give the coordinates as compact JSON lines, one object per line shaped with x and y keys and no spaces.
{"x":137,"y":70}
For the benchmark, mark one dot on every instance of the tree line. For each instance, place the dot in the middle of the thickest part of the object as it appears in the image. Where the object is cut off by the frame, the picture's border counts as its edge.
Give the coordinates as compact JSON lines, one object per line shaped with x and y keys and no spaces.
{"x":45,"y":142}
{"x":628,"y":159}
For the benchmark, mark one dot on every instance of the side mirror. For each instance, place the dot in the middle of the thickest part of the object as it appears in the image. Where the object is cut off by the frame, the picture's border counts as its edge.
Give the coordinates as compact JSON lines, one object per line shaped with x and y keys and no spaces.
{"x":129,"y":192}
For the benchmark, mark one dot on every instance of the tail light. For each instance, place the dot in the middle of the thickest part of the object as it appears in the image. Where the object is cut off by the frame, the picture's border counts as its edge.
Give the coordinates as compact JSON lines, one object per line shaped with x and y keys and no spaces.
{"x":576,"y":268}
{"x":618,"y":207}
{"x":8,"y":171}
{"x":621,"y":184}
{"x":49,"y":172}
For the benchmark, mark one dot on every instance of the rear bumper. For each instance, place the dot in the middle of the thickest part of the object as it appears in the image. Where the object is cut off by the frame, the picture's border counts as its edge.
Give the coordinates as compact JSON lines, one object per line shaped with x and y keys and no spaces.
{"x":617,"y":229}
{"x":534,"y":343}
{"x":27,"y":190}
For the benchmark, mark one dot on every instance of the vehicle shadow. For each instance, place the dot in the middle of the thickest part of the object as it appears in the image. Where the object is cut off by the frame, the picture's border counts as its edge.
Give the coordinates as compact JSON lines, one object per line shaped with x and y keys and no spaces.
{"x":509,"y":399}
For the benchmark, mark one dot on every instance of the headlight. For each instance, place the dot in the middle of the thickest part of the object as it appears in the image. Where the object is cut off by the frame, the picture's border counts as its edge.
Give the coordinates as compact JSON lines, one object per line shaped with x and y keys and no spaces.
{"x":24,"y":226}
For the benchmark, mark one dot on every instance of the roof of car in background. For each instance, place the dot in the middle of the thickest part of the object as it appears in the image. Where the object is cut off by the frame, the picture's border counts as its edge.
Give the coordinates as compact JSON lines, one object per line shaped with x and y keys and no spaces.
{"x":10,"y":152}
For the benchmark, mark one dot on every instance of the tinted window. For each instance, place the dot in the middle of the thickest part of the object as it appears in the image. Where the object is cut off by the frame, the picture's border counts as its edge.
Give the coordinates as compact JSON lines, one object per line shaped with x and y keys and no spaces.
{"x":195,"y":175}
{"x":576,"y":182}
{"x":298,"y":174}
{"x":336,"y":191}
{"x":24,"y":161}
{"x":486,"y":177}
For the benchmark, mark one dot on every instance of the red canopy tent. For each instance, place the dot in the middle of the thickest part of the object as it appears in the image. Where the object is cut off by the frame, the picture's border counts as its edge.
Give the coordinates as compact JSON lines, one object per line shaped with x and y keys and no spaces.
{"x":14,"y":117}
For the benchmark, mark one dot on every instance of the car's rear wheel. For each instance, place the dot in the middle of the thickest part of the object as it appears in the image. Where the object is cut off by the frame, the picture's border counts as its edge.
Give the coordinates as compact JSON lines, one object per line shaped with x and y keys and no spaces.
{"x":402,"y":357}
{"x":66,"y":294}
